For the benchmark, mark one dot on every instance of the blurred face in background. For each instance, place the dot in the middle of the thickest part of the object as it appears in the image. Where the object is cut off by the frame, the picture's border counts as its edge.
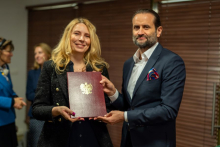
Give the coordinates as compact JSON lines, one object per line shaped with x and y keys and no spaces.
{"x":40,"y":55}
{"x":5,"y":55}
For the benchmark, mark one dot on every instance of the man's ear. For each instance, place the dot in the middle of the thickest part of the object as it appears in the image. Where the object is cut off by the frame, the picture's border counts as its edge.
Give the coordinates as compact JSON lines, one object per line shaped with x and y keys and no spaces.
{"x":159,"y":31}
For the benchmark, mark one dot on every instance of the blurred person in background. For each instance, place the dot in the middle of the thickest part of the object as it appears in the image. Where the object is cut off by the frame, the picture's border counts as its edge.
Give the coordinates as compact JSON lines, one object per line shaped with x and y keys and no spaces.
{"x":8,"y":98}
{"x":42,"y":53}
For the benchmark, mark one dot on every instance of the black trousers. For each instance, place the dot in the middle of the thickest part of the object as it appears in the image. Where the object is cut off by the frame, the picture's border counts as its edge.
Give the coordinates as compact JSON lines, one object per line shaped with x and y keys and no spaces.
{"x":8,"y":137}
{"x":128,"y":140}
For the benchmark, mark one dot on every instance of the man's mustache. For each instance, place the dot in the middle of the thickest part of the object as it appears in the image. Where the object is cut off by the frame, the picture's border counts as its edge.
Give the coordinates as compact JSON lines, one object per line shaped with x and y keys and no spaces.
{"x":136,"y":37}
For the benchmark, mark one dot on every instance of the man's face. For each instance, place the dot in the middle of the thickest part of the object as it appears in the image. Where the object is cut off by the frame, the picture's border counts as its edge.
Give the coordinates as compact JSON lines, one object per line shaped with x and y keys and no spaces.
{"x":144,"y":32}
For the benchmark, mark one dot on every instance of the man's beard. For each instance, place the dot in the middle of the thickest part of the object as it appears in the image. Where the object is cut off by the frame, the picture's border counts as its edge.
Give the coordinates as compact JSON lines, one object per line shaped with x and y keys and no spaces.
{"x":151,"y":40}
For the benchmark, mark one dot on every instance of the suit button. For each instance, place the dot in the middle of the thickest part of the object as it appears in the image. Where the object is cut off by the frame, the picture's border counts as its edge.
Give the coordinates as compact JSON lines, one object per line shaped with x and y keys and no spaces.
{"x":57,"y":89}
{"x":57,"y":104}
{"x":132,"y":108}
{"x":59,"y":119}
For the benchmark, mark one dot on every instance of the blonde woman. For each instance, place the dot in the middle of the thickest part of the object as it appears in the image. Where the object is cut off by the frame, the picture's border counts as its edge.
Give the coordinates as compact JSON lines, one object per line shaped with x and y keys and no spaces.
{"x":42,"y":53}
{"x":78,"y":51}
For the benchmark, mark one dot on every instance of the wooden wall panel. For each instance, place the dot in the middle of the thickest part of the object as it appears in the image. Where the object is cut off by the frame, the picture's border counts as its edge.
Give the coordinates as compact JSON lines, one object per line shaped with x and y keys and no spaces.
{"x":191,"y":29}
{"x":46,"y":26}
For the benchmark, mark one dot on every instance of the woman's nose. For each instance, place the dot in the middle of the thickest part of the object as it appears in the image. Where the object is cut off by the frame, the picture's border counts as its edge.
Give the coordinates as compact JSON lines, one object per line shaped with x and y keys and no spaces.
{"x":81,"y":38}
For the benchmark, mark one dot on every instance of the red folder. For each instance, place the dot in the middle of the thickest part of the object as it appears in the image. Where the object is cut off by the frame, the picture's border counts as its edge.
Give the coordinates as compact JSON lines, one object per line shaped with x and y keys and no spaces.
{"x":86,"y":96}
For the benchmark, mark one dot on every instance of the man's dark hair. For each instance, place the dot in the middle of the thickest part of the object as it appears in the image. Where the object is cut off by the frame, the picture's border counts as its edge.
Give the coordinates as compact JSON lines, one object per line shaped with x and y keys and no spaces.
{"x":157,"y":22}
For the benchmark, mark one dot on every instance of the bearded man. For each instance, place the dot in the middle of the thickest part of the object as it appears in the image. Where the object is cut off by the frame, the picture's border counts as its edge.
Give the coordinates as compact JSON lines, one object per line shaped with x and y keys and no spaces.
{"x":152,"y":88}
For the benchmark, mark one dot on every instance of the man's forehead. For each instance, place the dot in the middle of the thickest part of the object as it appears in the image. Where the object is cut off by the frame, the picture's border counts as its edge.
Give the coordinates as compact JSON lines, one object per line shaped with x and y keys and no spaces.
{"x":143,"y":18}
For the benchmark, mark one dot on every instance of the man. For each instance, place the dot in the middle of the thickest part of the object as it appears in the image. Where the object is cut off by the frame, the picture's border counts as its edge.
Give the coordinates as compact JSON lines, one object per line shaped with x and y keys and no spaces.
{"x":152,"y":88}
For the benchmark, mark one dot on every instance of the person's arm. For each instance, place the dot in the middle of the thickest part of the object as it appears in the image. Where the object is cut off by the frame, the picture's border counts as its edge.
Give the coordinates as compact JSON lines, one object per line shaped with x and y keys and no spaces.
{"x":27,"y":118}
{"x":13,"y":101}
{"x":117,"y":100}
{"x":42,"y":104}
{"x":6,"y":102}
{"x":108,"y":99}
{"x":171,"y":95}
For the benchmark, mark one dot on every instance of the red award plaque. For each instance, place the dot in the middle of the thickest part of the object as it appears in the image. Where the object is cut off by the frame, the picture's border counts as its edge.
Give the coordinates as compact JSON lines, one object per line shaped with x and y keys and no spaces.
{"x":86,"y":96}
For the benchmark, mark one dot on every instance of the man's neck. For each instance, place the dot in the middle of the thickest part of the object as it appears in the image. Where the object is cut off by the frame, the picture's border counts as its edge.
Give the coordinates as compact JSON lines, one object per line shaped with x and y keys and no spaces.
{"x":142,"y":50}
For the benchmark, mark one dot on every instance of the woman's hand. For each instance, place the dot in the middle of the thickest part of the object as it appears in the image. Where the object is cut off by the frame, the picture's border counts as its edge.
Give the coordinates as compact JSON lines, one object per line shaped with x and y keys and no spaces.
{"x":65,"y":112}
{"x":19,"y":103}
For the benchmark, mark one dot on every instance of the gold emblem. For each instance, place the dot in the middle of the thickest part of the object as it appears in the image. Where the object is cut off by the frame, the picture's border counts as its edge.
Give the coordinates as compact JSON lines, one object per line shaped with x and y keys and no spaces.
{"x":86,"y":88}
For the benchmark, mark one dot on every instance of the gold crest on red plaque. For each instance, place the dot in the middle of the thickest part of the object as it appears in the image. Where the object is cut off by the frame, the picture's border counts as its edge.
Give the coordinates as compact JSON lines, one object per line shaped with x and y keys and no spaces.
{"x":86,"y":88}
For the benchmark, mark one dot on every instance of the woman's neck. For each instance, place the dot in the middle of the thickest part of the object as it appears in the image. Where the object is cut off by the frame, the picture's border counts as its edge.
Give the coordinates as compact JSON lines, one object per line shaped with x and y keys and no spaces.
{"x":77,"y":59}
{"x":79,"y":64}
{"x":1,"y":63}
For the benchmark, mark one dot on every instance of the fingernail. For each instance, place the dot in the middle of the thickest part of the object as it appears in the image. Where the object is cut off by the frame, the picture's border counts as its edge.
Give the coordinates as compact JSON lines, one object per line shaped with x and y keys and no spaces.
{"x":73,"y":113}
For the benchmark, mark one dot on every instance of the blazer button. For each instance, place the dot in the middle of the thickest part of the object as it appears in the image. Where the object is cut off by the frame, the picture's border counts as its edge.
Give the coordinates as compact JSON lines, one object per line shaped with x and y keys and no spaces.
{"x":59,"y":119}
{"x":57,"y":89}
{"x":57,"y":104}
{"x":132,"y":108}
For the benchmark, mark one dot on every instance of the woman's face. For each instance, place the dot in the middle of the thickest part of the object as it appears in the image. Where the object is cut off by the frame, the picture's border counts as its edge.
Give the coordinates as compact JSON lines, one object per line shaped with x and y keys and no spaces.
{"x":80,"y":38}
{"x":5,"y":55}
{"x":39,"y":55}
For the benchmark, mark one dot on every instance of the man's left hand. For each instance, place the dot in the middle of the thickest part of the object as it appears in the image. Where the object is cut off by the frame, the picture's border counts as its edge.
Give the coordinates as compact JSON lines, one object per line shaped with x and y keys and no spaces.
{"x":112,"y":117}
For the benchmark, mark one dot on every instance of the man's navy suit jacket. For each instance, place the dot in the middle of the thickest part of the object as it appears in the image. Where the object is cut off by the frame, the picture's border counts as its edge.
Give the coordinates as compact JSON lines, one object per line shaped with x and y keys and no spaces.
{"x":153,"y":109}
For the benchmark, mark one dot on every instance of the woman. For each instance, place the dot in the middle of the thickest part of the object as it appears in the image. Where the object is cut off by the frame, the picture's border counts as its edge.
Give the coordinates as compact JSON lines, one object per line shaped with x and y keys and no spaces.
{"x":79,"y":51}
{"x":8,"y":98}
{"x":42,"y":52}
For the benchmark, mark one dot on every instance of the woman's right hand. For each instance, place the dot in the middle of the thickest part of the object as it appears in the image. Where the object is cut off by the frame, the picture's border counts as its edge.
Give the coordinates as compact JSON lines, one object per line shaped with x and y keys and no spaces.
{"x":19,"y":103}
{"x":65,"y":112}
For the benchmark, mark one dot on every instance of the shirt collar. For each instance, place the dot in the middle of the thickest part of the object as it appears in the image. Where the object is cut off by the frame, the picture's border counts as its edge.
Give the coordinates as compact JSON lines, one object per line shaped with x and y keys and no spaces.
{"x":146,"y":55}
{"x":2,"y":68}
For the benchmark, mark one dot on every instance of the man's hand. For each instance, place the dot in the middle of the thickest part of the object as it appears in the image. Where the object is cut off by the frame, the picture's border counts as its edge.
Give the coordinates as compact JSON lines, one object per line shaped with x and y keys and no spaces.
{"x":19,"y":103}
{"x":108,"y":86}
{"x":65,"y":112}
{"x":112,"y":117}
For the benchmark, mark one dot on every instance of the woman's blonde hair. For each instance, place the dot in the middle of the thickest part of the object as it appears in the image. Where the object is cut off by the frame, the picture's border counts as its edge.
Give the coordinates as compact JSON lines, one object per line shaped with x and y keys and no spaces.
{"x":61,"y":54}
{"x":46,"y":49}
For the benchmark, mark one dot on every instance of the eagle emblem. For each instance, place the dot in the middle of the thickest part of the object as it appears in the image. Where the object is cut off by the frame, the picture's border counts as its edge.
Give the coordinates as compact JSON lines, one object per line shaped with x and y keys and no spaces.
{"x":86,"y":88}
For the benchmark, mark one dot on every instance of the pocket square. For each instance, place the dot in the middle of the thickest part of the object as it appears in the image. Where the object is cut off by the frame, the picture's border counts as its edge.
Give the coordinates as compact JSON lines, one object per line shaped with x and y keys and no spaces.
{"x":152,"y":74}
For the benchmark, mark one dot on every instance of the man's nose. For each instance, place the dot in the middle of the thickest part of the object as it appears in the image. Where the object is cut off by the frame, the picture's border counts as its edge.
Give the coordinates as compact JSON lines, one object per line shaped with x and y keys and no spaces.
{"x":140,"y":31}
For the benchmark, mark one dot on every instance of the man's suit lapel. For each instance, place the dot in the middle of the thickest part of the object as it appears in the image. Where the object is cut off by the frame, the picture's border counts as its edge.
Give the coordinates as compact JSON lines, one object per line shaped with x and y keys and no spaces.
{"x":127,"y":77}
{"x":150,"y":63}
